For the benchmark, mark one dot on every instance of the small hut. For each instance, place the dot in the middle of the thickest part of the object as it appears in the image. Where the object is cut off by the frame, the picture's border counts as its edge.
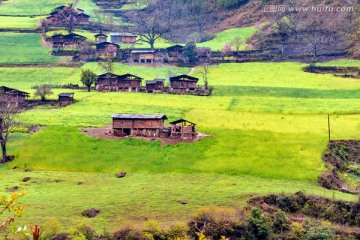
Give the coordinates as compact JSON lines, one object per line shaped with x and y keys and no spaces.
{"x":155,"y":85}
{"x":123,"y":38}
{"x":143,"y":56}
{"x":183,"y":83}
{"x":66,"y":99}
{"x":183,"y":129}
{"x":100,"y":37}
{"x":107,"y":49}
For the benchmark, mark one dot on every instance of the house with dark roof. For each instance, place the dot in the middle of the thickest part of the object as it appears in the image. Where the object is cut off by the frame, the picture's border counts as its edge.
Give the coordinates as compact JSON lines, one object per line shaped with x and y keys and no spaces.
{"x":12,"y":97}
{"x":107,"y":49}
{"x":118,"y":83}
{"x":71,"y":40}
{"x":143,"y":125}
{"x":155,"y":85}
{"x":123,"y":38}
{"x":183,"y":84}
{"x":65,"y":99}
{"x":175,"y":52}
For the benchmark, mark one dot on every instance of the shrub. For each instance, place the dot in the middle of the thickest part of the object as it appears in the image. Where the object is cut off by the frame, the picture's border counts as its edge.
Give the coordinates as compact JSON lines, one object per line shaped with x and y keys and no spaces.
{"x":280,"y":224}
{"x":287,"y":204}
{"x":51,"y":228}
{"x":319,"y":233}
{"x":215,"y":222}
{"x":153,"y":230}
{"x":177,"y":231}
{"x":297,"y":231}
{"x":258,"y":225}
{"x":127,"y":232}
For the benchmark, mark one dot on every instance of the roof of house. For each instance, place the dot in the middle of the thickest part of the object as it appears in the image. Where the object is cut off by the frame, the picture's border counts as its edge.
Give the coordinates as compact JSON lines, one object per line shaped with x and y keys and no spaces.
{"x":143,"y":51}
{"x":138,"y":116}
{"x":106,"y":43}
{"x":71,"y":35}
{"x":4,"y":89}
{"x":66,"y":94}
{"x":109,"y":74}
{"x":123,"y":34}
{"x":100,"y":34}
{"x":155,"y":81}
{"x":184,"y":77}
{"x":83,"y":15}
{"x":128,"y":75}
{"x":182,"y":120}
{"x":175,"y":46}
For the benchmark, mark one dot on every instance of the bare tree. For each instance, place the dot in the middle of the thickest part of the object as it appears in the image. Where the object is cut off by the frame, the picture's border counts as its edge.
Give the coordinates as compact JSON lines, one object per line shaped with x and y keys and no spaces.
{"x":205,"y":75}
{"x":103,"y":20}
{"x":237,"y":42}
{"x":107,"y":65}
{"x":7,"y":120}
{"x":156,"y":20}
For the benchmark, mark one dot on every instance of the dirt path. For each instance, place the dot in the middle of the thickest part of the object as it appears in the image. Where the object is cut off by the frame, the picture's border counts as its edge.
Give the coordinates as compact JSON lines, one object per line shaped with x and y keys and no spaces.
{"x":192,"y":70}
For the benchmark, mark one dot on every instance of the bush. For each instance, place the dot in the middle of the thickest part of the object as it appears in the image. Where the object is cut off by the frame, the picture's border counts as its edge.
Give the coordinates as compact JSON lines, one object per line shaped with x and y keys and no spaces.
{"x":127,"y":232}
{"x":51,"y":228}
{"x":319,"y":233}
{"x":177,"y":231}
{"x":258,"y":225}
{"x":297,"y":231}
{"x":287,"y":204}
{"x":215,"y":222}
{"x":280,"y":224}
{"x":153,"y":230}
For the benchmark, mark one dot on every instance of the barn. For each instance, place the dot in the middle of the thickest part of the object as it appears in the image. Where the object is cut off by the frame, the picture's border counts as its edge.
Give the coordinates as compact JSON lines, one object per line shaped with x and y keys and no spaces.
{"x":143,"y":56}
{"x":13,"y":97}
{"x":118,"y":83}
{"x":123,"y":38}
{"x":71,"y":40}
{"x":143,"y":125}
{"x":183,"y":84}
{"x":66,"y":99}
{"x":155,"y":85}
{"x":107,"y":49}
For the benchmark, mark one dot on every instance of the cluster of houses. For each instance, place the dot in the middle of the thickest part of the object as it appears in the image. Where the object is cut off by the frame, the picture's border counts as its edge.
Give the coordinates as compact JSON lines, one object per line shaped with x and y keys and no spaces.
{"x":182,"y":84}
{"x":151,"y":125}
{"x":16,"y":98}
{"x":80,"y":16}
{"x":111,"y":48}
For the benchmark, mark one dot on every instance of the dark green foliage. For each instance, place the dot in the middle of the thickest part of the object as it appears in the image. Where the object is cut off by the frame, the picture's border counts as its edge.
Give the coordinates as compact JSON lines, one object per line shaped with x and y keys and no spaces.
{"x":280,"y":223}
{"x":88,"y":78}
{"x":258,"y":225}
{"x":319,"y":233}
{"x":287,"y":204}
{"x":189,"y":52}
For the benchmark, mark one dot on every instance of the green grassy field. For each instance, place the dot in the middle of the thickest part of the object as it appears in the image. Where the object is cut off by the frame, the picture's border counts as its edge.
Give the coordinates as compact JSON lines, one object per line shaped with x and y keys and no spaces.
{"x":18,"y":22}
{"x":341,"y":63}
{"x":137,"y":196}
{"x":267,"y":127}
{"x":24,"y":48}
{"x":25,"y":7}
{"x":227,"y":36}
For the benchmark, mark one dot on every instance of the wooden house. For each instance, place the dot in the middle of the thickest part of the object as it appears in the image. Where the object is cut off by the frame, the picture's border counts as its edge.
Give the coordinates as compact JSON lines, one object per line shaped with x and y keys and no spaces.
{"x":144,"y":125}
{"x":118,"y":83}
{"x":66,"y":99}
{"x":107,"y":49}
{"x":183,"y":84}
{"x":143,"y":56}
{"x":71,"y":40}
{"x":100,"y":37}
{"x":155,"y":85}
{"x":123,"y":38}
{"x":82,"y":17}
{"x":175,"y":51}
{"x":12,"y":97}
{"x":183,"y":129}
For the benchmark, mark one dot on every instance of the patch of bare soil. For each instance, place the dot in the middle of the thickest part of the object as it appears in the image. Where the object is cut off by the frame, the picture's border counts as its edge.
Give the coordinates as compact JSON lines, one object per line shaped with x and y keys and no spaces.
{"x":342,"y":158}
{"x":106,"y":133}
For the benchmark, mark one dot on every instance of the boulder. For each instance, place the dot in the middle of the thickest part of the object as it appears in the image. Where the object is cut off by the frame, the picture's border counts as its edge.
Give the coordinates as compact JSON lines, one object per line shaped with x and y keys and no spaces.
{"x":121,"y":174}
{"x":90,"y":213}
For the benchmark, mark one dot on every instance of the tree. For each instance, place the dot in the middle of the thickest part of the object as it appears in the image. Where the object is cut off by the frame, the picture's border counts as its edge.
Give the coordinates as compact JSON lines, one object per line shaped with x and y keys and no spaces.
{"x":7,"y":120}
{"x":189,"y":52}
{"x":205,"y":73}
{"x":103,"y":20}
{"x":88,"y":77}
{"x":42,"y":91}
{"x":66,"y":17}
{"x":258,"y":226}
{"x":107,"y":65}
{"x":156,"y":20}
{"x":237,"y":42}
